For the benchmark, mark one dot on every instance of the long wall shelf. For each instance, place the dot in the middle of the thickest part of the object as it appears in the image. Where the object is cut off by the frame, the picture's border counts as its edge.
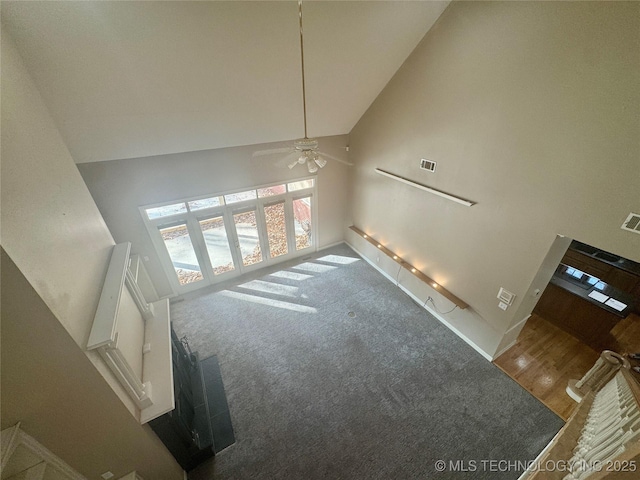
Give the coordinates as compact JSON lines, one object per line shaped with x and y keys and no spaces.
{"x":439,"y":193}
{"x":413,"y":270}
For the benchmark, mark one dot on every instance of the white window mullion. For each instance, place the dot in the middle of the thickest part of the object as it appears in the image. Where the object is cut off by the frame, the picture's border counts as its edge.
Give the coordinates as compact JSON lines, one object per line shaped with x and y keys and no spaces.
{"x":288,"y":216}
{"x":165,"y":259}
{"x":262,"y":231}
{"x":179,"y":212}
{"x":197,"y":238}
{"x":234,"y":242}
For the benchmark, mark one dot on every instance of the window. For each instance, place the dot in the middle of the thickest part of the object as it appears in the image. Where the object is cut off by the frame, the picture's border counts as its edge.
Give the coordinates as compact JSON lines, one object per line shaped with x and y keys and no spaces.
{"x":302,"y":222}
{"x":183,"y":256}
{"x":201,"y":241}
{"x":275,"y":221}
{"x":248,"y":237}
{"x":302,"y":184}
{"x":166,"y":211}
{"x":217,"y":244}
{"x":206,"y":203}
{"x":239,"y":197}
{"x":271,"y":191}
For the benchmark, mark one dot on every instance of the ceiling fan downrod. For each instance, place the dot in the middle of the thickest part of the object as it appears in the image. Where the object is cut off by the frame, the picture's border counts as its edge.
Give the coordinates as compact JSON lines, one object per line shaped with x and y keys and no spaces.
{"x":304,"y":91}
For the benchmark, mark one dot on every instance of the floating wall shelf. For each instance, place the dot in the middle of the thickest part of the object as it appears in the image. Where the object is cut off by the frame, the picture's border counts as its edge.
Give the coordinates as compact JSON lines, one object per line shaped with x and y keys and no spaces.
{"x":406,"y":181}
{"x":414,"y":271}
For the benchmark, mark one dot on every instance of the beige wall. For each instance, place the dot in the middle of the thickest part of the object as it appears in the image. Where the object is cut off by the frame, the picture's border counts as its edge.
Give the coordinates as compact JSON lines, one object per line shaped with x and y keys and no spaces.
{"x":49,"y":385}
{"x":119,"y":187}
{"x":532,"y":111}
{"x":53,"y":232}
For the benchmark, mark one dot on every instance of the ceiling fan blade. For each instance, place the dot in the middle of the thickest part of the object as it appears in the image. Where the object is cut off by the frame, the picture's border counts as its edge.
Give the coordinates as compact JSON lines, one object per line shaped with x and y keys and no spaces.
{"x":339,"y":160}
{"x":271,"y":151}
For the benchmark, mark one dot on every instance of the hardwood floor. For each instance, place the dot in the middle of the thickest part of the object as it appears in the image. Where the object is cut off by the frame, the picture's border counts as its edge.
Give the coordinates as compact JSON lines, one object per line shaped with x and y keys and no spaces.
{"x":546,"y":357}
{"x":626,"y":335}
{"x":543,"y":361}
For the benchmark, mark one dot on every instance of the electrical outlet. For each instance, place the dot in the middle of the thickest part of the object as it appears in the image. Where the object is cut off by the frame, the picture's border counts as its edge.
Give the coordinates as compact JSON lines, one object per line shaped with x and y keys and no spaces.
{"x":378,"y":259}
{"x":503,"y":305}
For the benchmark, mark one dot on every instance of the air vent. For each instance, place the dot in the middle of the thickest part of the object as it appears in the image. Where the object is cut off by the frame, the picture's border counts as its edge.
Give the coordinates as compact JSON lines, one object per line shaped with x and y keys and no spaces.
{"x":632,"y":223}
{"x":505,"y":296}
{"x":428,"y":165}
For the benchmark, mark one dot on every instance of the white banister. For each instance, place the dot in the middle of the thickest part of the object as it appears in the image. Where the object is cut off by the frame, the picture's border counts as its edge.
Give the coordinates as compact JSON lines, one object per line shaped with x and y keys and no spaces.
{"x":602,"y":371}
{"x":612,"y":424}
{"x":601,"y":440}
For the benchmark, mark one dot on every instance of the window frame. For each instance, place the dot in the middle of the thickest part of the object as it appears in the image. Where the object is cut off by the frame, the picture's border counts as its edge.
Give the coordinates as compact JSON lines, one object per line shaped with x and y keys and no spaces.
{"x":192,"y":218}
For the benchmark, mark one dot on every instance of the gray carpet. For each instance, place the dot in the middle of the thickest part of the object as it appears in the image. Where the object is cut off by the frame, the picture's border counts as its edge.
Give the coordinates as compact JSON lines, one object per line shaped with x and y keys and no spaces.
{"x":316,"y":393}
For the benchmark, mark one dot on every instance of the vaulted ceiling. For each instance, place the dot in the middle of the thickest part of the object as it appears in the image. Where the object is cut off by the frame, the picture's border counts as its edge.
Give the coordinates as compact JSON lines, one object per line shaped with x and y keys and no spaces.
{"x":132,"y":79}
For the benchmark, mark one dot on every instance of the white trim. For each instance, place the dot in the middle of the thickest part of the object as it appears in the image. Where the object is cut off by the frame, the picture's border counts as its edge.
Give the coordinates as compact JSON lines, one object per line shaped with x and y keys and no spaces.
{"x":420,"y":302}
{"x":10,"y":439}
{"x":103,"y":330}
{"x":139,"y":392}
{"x":515,"y":340}
{"x":158,"y":362}
{"x":153,"y":393}
{"x":331,"y":245}
{"x":511,"y":344}
{"x":406,"y":181}
{"x":521,"y":321}
{"x":19,"y":437}
{"x":191,"y":221}
{"x":536,"y":461}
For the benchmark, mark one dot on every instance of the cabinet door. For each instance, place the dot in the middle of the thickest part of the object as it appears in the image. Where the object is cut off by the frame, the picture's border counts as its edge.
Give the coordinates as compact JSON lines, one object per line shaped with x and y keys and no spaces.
{"x":587,"y":264}
{"x":622,"y":280}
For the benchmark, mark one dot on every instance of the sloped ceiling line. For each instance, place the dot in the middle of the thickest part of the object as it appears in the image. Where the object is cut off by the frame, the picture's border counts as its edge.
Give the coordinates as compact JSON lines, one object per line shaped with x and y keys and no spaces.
{"x":135,"y":79}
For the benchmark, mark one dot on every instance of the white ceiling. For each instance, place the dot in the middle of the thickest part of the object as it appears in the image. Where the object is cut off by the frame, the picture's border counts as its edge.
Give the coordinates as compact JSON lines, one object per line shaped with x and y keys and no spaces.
{"x":131,"y":79}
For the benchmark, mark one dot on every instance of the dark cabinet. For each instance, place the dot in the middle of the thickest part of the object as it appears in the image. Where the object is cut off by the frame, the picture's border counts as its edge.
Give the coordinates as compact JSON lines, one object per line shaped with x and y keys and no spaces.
{"x":582,"y":319}
{"x":566,"y":301}
{"x":621,"y":279}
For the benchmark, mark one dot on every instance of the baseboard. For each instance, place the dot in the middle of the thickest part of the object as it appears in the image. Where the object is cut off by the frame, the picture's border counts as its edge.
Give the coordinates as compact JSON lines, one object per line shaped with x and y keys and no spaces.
{"x":515,"y":340}
{"x":331,"y":245}
{"x":442,"y":320}
{"x":505,"y":348}
{"x":517,"y":324}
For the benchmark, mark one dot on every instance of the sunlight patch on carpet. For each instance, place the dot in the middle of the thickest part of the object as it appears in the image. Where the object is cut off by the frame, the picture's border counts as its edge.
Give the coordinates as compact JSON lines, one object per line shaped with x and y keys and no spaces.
{"x":269,"y":302}
{"x":270,"y":287}
{"x":290,"y":275}
{"x":339,"y":259}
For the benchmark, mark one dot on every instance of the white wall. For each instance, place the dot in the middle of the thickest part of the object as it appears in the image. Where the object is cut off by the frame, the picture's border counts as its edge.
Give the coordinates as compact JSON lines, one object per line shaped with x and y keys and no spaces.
{"x":119,"y":187}
{"x":53,"y":232}
{"x":532,"y":110}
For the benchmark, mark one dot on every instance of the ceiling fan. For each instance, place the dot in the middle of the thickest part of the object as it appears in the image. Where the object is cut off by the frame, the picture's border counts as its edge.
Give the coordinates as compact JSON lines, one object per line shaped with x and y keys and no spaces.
{"x":304,"y":150}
